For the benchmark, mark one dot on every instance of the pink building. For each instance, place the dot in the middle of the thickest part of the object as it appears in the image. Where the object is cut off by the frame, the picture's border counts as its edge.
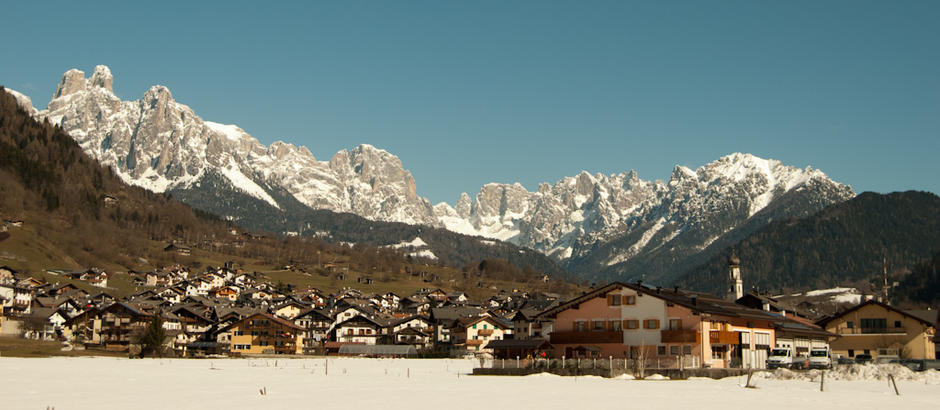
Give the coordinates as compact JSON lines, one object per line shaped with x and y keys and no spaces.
{"x":666,"y":327}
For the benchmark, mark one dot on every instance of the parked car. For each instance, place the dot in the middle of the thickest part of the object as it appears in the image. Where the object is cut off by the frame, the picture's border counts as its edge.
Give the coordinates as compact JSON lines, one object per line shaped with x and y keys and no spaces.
{"x":913,"y":364}
{"x":863,"y":358}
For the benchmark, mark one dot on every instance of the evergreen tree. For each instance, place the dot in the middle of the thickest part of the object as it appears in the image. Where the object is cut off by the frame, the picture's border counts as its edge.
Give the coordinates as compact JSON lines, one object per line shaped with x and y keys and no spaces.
{"x":151,"y":341}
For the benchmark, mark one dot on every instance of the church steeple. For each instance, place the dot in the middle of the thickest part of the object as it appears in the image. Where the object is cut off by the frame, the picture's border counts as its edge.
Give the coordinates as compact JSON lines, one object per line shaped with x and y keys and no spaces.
{"x":736,"y":285}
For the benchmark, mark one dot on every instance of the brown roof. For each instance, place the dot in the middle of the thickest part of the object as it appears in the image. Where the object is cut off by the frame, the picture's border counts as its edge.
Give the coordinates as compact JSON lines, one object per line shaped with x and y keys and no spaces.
{"x":824,"y":321}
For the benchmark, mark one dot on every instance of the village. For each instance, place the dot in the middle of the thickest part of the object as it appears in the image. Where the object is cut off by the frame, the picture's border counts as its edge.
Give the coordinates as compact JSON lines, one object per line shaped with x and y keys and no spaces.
{"x":227,"y":312}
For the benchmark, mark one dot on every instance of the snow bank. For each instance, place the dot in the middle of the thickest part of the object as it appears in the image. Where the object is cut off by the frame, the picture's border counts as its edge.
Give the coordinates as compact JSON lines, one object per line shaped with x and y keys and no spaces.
{"x":390,"y":384}
{"x":856,"y":372}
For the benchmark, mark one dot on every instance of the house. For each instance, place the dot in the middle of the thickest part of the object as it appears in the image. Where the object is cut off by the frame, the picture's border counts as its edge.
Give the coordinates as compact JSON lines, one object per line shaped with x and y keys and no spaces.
{"x":95,"y":277}
{"x":475,"y":333}
{"x":44,"y":323}
{"x":263,"y":333}
{"x":359,"y":329}
{"x":229,"y":293}
{"x":882,"y":331}
{"x":316,"y":324}
{"x":17,"y":299}
{"x":527,"y":324}
{"x":179,"y":249}
{"x":171,"y":294}
{"x":674,"y":327}
{"x":437,"y":295}
{"x":113,"y":327}
{"x":416,"y":330}
{"x":290,"y":308}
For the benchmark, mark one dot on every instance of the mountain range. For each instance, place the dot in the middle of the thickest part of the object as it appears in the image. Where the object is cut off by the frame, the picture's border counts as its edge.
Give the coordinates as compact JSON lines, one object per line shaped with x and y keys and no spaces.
{"x":600,"y":227}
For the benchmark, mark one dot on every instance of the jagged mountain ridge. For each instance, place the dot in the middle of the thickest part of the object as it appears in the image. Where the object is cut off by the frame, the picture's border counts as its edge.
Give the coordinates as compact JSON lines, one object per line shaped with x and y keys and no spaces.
{"x":605,"y":224}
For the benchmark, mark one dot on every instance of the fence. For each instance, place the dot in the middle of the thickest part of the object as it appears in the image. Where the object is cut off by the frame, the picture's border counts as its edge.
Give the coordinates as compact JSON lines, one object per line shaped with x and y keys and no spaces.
{"x":620,"y":365}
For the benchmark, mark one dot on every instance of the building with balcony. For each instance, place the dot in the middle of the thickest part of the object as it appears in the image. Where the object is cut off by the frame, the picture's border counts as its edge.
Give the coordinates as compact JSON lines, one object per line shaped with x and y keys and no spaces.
{"x":882,"y":331}
{"x":476,"y":332}
{"x":360,"y":329}
{"x":671,"y":327}
{"x":263,"y":333}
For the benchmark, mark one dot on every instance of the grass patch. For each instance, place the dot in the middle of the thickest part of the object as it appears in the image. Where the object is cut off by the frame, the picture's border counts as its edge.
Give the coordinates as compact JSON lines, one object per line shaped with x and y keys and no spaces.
{"x":12,"y":346}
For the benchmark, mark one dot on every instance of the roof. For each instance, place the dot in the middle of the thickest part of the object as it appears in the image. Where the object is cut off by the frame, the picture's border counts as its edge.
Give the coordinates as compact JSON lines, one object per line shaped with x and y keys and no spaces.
{"x":513,"y":344}
{"x":694,"y":301}
{"x":923,"y":320}
{"x":362,"y":318}
{"x":314,"y":312}
{"x":361,"y":349}
{"x":454,"y":312}
{"x":927,"y":315}
{"x":267,"y":316}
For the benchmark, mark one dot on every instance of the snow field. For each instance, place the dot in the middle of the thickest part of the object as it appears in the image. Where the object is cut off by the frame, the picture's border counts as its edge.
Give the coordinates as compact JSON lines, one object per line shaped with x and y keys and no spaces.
{"x":337,"y":383}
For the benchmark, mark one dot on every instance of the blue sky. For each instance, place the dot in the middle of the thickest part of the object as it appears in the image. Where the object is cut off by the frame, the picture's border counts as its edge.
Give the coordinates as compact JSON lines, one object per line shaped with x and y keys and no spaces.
{"x":467,"y":93}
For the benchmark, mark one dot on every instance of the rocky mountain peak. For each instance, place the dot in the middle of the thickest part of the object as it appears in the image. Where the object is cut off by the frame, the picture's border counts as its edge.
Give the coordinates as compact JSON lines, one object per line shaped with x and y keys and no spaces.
{"x":102,"y":78}
{"x":72,"y":82}
{"x":463,"y":206}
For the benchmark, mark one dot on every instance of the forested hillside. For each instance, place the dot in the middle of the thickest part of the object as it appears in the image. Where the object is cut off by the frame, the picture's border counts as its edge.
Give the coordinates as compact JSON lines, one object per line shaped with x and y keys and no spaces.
{"x":839,"y":245}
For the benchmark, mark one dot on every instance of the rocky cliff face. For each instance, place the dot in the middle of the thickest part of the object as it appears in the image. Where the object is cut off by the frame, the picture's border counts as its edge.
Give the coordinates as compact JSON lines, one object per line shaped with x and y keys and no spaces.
{"x":602,"y":225}
{"x":162,"y":145}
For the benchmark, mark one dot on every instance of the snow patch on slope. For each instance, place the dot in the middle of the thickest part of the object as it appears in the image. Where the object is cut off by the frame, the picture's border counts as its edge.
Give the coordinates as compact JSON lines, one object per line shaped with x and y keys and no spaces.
{"x":245,"y":184}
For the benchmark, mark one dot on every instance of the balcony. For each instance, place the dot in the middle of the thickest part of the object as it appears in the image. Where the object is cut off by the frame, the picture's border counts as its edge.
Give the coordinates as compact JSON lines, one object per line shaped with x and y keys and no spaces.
{"x":680,"y":336}
{"x":723,"y":338}
{"x":873,"y":331}
{"x":472,"y":342}
{"x":485,"y":332}
{"x":585,"y":337}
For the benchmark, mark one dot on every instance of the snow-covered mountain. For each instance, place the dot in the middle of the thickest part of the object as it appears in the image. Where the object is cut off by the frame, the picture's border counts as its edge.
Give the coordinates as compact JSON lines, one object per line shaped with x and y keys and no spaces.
{"x":160,"y":144}
{"x":591,"y":222}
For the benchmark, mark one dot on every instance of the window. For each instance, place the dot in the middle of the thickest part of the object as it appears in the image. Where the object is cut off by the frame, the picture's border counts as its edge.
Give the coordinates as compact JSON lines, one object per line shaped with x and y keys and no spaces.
{"x":715,"y":326}
{"x":675,"y":324}
{"x":598,"y":325}
{"x":673,"y":350}
{"x":629,"y":300}
{"x":474,"y":326}
{"x":897,"y":323}
{"x":651,"y":324}
{"x":616,"y":325}
{"x":880,"y":323}
{"x":687,"y":349}
{"x":484,"y":326}
{"x":631,"y":324}
{"x":613,"y":300}
{"x":660,"y":350}
{"x":868,"y":352}
{"x":849,"y":324}
{"x":580,"y":326}
{"x":851,"y":352}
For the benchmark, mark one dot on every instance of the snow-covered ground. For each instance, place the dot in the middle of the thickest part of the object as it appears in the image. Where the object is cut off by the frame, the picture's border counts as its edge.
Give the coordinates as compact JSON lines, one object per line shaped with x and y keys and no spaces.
{"x":111,"y":383}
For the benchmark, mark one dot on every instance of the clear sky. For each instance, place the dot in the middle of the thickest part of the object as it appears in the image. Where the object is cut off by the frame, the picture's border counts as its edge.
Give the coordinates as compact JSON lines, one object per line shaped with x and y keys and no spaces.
{"x":471,"y":92}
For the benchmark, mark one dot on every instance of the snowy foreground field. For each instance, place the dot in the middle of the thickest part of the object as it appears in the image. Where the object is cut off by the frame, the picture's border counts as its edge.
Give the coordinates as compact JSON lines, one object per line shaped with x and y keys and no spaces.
{"x":349,"y":383}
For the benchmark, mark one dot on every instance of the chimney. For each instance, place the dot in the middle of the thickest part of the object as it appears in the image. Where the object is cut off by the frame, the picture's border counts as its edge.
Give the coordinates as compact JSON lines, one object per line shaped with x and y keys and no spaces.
{"x":766,"y":306}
